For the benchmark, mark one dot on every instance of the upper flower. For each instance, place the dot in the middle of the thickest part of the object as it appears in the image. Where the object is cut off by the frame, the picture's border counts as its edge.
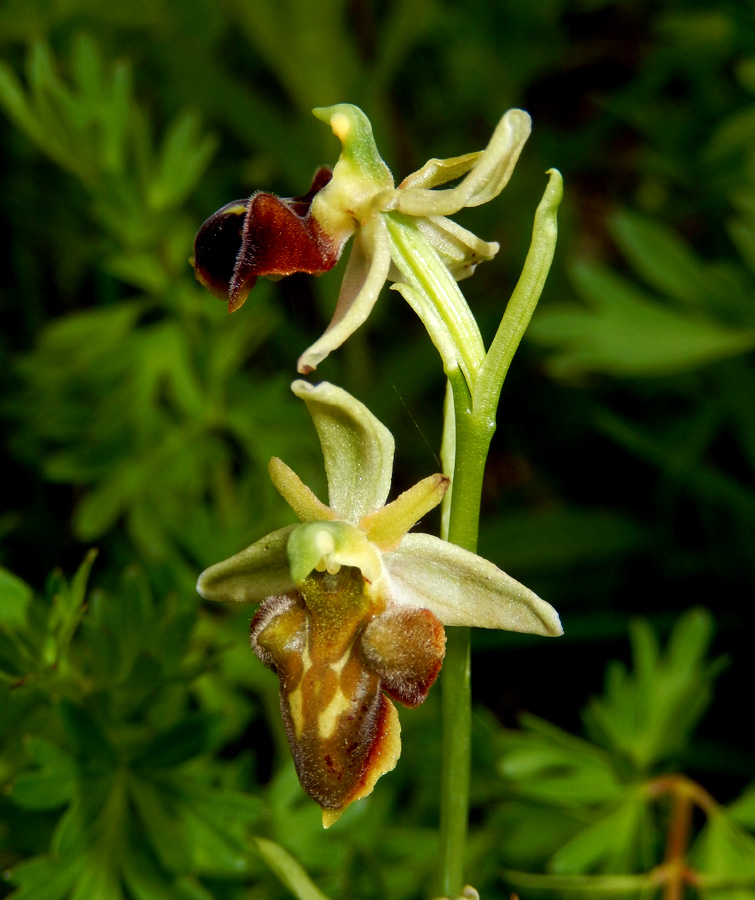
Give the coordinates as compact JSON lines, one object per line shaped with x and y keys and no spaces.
{"x":266,"y":235}
{"x":353,"y":602}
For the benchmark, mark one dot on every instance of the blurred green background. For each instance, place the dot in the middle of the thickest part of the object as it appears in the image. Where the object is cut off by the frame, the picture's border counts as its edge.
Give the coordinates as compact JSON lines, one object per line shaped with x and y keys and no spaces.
{"x":137,"y":417}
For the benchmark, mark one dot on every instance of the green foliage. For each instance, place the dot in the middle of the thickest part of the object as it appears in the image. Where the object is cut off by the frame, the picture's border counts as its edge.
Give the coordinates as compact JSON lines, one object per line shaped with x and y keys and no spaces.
{"x":701,"y":315}
{"x":146,"y":379}
{"x":139,"y":742}
{"x":607,"y":810}
{"x":94,"y":129}
{"x":648,"y":716}
{"x":98,"y":720}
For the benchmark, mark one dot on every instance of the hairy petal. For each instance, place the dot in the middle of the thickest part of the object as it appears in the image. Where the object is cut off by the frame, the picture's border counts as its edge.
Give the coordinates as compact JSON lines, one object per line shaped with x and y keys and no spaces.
{"x":357,"y":449}
{"x":264,"y":235}
{"x":252,"y":575}
{"x":365,"y":275}
{"x":461,"y":588}
{"x":277,"y":241}
{"x":299,"y":497}
{"x":388,"y":525}
{"x":382,"y":757}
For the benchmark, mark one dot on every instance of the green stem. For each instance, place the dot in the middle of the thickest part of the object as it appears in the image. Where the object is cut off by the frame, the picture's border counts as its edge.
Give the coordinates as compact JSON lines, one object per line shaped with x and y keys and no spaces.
{"x":456,"y":706}
{"x":473,"y":435}
{"x":476,"y":380}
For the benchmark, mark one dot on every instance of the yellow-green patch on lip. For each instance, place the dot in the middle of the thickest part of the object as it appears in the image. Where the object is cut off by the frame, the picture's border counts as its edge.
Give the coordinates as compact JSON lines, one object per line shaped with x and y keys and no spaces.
{"x":326,"y":546}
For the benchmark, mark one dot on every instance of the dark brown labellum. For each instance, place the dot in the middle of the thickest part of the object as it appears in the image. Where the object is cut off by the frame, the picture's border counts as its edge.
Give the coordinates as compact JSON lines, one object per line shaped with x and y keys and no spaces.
{"x":262,"y":236}
{"x":335,"y":667}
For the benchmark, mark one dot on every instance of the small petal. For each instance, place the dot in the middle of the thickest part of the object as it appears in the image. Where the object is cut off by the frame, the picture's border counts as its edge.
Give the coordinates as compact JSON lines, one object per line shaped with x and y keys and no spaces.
{"x":441,"y":171}
{"x":357,"y":449}
{"x":365,"y":275}
{"x":299,"y":497}
{"x":252,"y":575}
{"x":488,"y":177}
{"x":461,"y":588}
{"x":387,"y":526}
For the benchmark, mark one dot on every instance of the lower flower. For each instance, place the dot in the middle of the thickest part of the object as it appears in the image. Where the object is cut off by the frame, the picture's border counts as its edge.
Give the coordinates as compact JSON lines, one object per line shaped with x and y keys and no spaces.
{"x":353,"y":605}
{"x":339,"y":654}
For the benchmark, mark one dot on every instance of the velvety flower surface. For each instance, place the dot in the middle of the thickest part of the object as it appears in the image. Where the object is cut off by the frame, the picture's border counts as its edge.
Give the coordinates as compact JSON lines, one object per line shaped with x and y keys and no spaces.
{"x":262,"y":236}
{"x":269,"y":236}
{"x":353,"y":602}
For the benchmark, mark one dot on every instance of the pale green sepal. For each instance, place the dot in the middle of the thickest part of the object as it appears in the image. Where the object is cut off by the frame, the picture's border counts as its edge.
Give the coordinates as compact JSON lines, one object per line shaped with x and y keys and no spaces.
{"x":326,"y":546}
{"x":366,"y":273}
{"x":387,"y":526}
{"x":256,"y":573}
{"x":461,"y":588}
{"x":357,"y":449}
{"x":488,"y":177}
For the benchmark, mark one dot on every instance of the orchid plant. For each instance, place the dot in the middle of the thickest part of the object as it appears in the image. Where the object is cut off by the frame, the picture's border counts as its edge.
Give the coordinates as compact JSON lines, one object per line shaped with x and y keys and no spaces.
{"x":352,"y":602}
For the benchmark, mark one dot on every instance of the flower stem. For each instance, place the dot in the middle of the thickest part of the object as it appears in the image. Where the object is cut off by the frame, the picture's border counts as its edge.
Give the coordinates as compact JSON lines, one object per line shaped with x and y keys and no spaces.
{"x":476,"y":387}
{"x":456,"y":705}
{"x":474,"y":407}
{"x":473,"y":435}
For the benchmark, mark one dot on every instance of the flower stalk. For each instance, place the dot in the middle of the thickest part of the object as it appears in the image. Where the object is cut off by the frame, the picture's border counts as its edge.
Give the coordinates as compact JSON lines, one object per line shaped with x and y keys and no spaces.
{"x":475,"y":387}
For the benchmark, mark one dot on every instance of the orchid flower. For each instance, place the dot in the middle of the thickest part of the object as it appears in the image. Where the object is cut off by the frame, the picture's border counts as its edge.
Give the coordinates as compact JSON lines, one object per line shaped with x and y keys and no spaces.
{"x":274,"y":237}
{"x":353,"y":603}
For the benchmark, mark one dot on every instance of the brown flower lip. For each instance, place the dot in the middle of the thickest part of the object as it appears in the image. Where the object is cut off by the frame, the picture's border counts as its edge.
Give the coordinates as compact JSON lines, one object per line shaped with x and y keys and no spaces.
{"x":262,"y":236}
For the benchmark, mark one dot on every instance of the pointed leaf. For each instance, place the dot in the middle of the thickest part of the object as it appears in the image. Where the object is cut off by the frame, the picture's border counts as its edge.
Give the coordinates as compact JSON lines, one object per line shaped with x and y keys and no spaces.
{"x":290,"y":873}
{"x":662,"y":259}
{"x":15,"y":596}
